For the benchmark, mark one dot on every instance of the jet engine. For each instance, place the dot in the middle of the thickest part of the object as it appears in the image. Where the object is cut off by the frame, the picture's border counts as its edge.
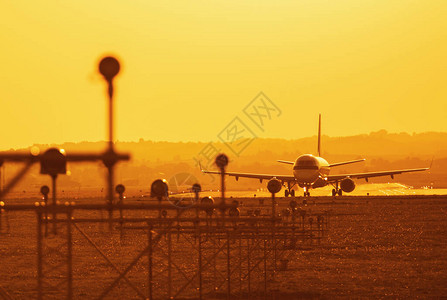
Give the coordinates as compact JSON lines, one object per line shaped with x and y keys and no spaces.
{"x":347,"y":185}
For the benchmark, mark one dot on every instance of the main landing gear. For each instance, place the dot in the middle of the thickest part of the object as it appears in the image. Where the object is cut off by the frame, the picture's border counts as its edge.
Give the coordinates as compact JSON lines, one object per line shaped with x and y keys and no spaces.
{"x":288,"y":191}
{"x":336,"y":190}
{"x":306,"y":192}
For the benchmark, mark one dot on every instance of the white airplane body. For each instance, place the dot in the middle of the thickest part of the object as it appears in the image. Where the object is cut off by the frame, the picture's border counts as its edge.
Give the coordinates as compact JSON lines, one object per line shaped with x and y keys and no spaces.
{"x":310,"y":172}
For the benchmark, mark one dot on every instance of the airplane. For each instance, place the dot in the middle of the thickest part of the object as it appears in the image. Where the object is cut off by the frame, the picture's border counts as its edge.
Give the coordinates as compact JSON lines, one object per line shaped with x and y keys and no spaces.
{"x":310,"y":172}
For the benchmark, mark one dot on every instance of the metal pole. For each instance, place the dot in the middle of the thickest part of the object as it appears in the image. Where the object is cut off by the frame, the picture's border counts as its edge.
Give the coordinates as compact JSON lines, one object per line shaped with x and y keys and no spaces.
{"x":110,"y":90}
{"x":69,"y":256}
{"x":215,"y":247}
{"x":169,"y":265}
{"x":39,"y":255}
{"x":111,"y":151}
{"x":45,"y":198}
{"x":149,"y":258}
{"x":240,"y":264}
{"x":228,"y":266}
{"x":222,"y":184}
{"x":248,"y":268}
{"x":53,"y":181}
{"x":222,"y":187}
{"x":265,"y":268}
{"x":200,"y":265}
{"x":121,"y":217}
{"x":273,"y":231}
{"x":110,"y":194}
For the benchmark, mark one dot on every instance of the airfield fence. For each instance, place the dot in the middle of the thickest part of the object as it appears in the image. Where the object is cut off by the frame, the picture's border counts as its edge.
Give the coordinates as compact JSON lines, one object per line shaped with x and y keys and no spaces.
{"x":195,"y":251}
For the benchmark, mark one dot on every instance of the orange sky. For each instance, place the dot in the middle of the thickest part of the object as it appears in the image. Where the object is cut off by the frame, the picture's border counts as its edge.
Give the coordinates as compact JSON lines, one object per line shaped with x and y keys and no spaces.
{"x":190,"y":67}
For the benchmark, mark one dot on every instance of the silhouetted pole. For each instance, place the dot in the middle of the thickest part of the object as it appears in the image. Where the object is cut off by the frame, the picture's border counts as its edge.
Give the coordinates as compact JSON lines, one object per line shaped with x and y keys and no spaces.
{"x":200,"y":266}
{"x":2,"y":204}
{"x":159,"y":189}
{"x":53,"y":182}
{"x":228,"y":267}
{"x":119,"y":189}
{"x":221,"y":163}
{"x":274,"y":186}
{"x":1,"y":189}
{"x":196,"y":189}
{"x":169,"y":264}
{"x":109,"y":67}
{"x":69,"y":251}
{"x":39,"y":253}
{"x":53,"y":162}
{"x":45,"y":190}
{"x":149,"y":259}
{"x":1,"y":178}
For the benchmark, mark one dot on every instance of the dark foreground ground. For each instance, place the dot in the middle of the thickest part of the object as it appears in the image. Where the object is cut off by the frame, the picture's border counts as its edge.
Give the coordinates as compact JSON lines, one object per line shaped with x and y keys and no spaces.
{"x":375,"y":248}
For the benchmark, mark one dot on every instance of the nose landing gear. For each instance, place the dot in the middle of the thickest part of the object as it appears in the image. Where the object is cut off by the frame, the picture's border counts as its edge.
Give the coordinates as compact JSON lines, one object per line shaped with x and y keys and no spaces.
{"x":306,"y":192}
{"x":288,"y":191}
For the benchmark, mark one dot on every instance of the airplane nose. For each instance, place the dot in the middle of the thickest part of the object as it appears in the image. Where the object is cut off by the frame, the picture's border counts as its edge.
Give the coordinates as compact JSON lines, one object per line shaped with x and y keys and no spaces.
{"x":306,"y":169}
{"x":307,"y":176}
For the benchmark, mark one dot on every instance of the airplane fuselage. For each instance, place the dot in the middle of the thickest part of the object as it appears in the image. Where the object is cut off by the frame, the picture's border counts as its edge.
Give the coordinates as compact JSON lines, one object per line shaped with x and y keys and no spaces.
{"x":310,"y":171}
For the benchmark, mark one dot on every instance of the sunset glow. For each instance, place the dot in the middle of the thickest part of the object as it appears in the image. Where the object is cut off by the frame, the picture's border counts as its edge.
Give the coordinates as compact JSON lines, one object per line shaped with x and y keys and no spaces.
{"x":189,"y":67}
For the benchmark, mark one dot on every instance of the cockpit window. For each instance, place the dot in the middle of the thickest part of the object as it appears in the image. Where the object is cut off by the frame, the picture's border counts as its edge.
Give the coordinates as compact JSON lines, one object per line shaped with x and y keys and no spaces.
{"x":306,"y":164}
{"x":305,"y":167}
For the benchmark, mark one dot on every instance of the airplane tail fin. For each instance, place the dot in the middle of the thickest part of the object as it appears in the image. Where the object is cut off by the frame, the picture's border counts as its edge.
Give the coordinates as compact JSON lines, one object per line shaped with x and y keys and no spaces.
{"x":319,"y":135}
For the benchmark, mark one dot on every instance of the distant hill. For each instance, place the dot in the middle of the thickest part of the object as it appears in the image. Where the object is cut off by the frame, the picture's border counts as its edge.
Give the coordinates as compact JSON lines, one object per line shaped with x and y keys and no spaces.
{"x":151,"y":160}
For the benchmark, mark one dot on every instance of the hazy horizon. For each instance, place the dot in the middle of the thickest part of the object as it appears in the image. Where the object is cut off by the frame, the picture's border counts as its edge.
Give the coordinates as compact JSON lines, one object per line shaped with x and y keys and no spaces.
{"x":151,"y":160}
{"x":381,"y":131}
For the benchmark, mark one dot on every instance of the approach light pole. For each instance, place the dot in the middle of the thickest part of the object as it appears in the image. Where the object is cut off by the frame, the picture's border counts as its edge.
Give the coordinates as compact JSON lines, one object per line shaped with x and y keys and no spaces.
{"x":221,"y":162}
{"x":109,"y":67}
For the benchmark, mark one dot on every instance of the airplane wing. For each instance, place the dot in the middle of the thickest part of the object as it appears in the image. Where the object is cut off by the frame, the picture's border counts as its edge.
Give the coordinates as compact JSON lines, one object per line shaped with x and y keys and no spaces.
{"x":346,"y":162}
{"x":333,"y":178}
{"x":284,"y":178}
{"x":285,"y":162}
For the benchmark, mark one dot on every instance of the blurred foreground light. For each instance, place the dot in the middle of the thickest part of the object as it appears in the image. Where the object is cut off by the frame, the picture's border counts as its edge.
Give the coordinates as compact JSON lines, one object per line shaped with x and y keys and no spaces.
{"x":159,"y":188}
{"x":109,"y":67}
{"x":274,"y":186}
{"x":221,"y":161}
{"x":34,"y":151}
{"x":53,"y":162}
{"x":120,"y":189}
